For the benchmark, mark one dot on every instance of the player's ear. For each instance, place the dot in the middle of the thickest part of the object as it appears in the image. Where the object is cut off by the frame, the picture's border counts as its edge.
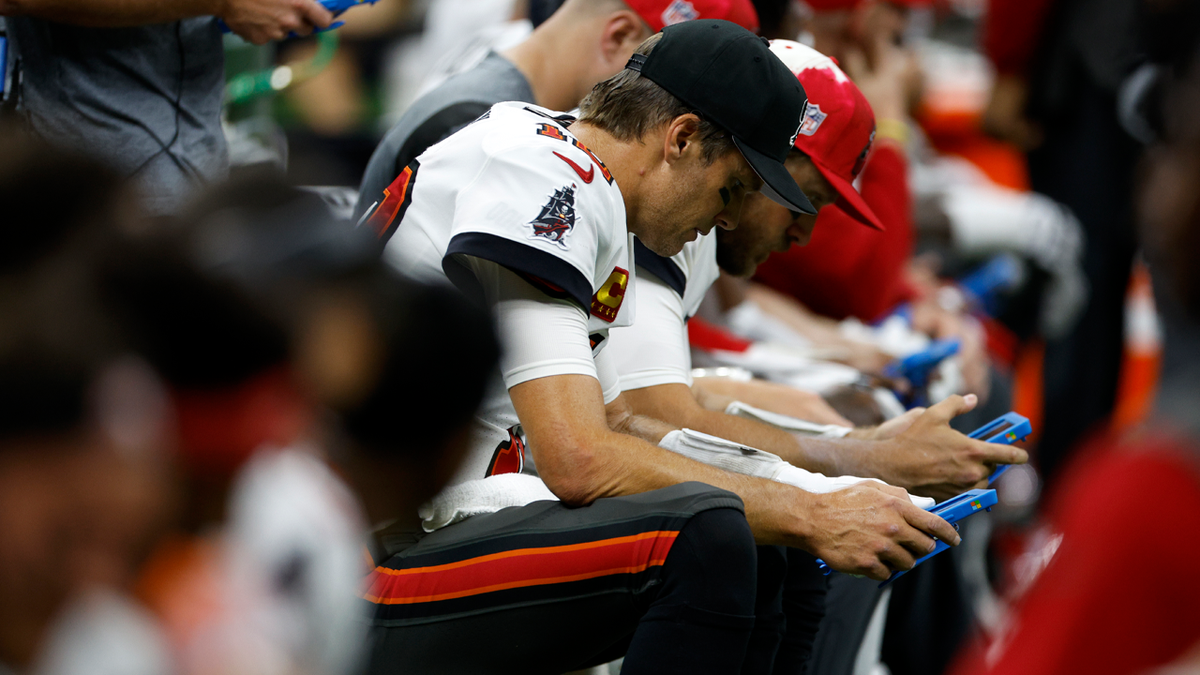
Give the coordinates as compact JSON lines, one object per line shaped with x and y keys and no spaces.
{"x":681,"y":138}
{"x":623,"y":32}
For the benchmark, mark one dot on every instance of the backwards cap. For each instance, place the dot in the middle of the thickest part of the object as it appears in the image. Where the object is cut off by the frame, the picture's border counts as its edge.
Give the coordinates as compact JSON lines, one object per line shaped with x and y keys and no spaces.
{"x":659,"y":14}
{"x":838,"y":125}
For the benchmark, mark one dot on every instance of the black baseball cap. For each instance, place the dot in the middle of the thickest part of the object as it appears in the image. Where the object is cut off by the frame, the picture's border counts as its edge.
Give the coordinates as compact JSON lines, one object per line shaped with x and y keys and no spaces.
{"x":730,"y":77}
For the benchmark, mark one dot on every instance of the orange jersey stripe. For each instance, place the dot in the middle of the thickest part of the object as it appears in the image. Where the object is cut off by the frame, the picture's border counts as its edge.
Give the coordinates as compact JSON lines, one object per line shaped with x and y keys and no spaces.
{"x":520,"y":568}
{"x":511,"y":584}
{"x":547,"y":550}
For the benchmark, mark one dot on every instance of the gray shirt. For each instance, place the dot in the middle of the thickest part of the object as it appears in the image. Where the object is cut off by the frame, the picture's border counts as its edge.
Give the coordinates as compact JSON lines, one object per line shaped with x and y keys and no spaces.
{"x":146,"y":99}
{"x":450,"y":106}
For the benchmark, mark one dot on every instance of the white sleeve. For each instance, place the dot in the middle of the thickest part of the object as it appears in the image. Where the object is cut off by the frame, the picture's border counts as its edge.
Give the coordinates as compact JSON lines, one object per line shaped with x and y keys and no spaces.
{"x":540,"y":336}
{"x":610,"y":381}
{"x":529,"y":211}
{"x":654,"y":350}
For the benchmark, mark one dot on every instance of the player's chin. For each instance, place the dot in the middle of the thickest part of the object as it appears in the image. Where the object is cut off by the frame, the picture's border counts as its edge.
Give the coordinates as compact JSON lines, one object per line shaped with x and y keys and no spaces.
{"x":740,"y":264}
{"x":665,"y":247}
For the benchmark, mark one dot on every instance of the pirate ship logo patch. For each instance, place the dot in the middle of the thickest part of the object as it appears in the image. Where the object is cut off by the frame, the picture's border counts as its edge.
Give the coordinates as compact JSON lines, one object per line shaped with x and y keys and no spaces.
{"x":557,"y":218}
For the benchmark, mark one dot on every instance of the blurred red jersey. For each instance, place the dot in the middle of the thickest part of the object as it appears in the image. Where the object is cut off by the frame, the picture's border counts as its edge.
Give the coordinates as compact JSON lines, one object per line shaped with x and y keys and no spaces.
{"x":1120,"y":593}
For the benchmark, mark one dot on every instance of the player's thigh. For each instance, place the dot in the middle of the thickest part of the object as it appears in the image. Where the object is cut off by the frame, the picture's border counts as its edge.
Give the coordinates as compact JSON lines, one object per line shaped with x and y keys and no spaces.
{"x":542,"y":584}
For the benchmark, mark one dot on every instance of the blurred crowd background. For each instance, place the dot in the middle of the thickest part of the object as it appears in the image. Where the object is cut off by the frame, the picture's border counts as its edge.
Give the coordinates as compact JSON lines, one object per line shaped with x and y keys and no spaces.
{"x":202,"y":411}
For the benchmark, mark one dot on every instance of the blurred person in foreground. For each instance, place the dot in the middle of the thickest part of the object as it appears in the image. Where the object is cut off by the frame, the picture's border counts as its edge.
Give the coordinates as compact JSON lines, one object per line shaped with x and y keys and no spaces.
{"x":582,"y":43}
{"x":1081,"y":605}
{"x":352,"y":324}
{"x":84,"y":432}
{"x":285,"y":341}
{"x":139,"y":84}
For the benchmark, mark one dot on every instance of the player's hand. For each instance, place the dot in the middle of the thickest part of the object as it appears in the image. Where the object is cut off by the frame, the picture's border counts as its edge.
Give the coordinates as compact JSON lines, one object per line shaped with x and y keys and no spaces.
{"x":873,"y":530}
{"x":930,"y":318}
{"x":866,"y":358}
{"x":889,"y":429}
{"x":933,"y":460}
{"x":261,"y":21}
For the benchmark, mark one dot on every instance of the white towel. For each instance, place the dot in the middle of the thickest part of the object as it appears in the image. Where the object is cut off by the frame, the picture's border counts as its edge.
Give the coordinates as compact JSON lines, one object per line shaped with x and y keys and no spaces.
{"x":486,"y":495}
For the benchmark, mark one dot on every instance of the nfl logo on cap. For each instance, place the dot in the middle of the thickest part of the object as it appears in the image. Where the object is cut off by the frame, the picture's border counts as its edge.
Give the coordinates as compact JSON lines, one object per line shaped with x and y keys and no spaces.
{"x":678,"y":12}
{"x":812,"y":119}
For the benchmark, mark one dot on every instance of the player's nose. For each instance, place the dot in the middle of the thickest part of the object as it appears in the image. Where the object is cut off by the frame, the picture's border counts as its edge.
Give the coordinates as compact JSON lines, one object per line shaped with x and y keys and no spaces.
{"x":801,"y":229}
{"x":727,"y":219}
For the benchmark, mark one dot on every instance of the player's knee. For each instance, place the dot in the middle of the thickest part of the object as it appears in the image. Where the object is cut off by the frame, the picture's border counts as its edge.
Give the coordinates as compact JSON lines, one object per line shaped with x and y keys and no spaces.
{"x":715,"y":558}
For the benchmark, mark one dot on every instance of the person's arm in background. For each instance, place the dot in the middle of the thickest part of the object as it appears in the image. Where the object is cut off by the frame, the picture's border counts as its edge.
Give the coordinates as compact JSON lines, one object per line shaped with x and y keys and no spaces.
{"x":821,"y":331}
{"x":1012,"y":30}
{"x":716,"y":393}
{"x":258,"y":21}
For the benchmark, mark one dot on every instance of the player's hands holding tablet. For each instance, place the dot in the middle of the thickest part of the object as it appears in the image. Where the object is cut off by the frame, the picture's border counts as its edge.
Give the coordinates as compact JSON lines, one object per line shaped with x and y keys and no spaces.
{"x":873,"y":530}
{"x":933,"y":460}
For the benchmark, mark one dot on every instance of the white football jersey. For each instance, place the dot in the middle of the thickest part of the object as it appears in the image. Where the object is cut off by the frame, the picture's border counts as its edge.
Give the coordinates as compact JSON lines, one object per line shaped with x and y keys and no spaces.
{"x":656,"y":350}
{"x":515,"y":188}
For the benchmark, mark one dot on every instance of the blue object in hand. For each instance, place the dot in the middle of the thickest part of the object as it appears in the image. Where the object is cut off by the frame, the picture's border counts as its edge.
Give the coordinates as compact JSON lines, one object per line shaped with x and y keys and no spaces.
{"x":1005,"y":429}
{"x":988,"y":284}
{"x":3,"y":64}
{"x":335,"y":7}
{"x":916,"y":367}
{"x":952,"y":511}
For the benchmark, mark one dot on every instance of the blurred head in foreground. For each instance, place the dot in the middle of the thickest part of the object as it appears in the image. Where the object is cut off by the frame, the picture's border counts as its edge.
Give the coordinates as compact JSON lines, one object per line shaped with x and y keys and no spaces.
{"x":400,"y":365}
{"x":83,"y":422}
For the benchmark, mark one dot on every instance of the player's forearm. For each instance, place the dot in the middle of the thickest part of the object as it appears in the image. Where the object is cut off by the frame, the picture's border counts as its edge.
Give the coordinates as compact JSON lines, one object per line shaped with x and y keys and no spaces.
{"x":771,"y":396}
{"x":110,"y":13}
{"x":832,"y":457}
{"x":838,"y":456}
{"x":621,"y":418}
{"x":674,"y":404}
{"x":629,"y":465}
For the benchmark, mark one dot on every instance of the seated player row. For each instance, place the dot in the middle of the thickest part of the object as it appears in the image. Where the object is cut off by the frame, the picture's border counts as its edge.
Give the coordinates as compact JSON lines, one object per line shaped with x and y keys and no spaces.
{"x":591,"y":511}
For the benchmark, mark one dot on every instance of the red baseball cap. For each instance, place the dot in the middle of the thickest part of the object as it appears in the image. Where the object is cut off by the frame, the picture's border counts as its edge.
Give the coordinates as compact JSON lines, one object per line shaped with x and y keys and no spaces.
{"x":838,"y":126}
{"x":662,"y":13}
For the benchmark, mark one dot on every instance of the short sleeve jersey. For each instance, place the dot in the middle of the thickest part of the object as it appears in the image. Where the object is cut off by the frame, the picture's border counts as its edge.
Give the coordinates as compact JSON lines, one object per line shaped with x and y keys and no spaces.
{"x":656,"y":350}
{"x":515,"y":188}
